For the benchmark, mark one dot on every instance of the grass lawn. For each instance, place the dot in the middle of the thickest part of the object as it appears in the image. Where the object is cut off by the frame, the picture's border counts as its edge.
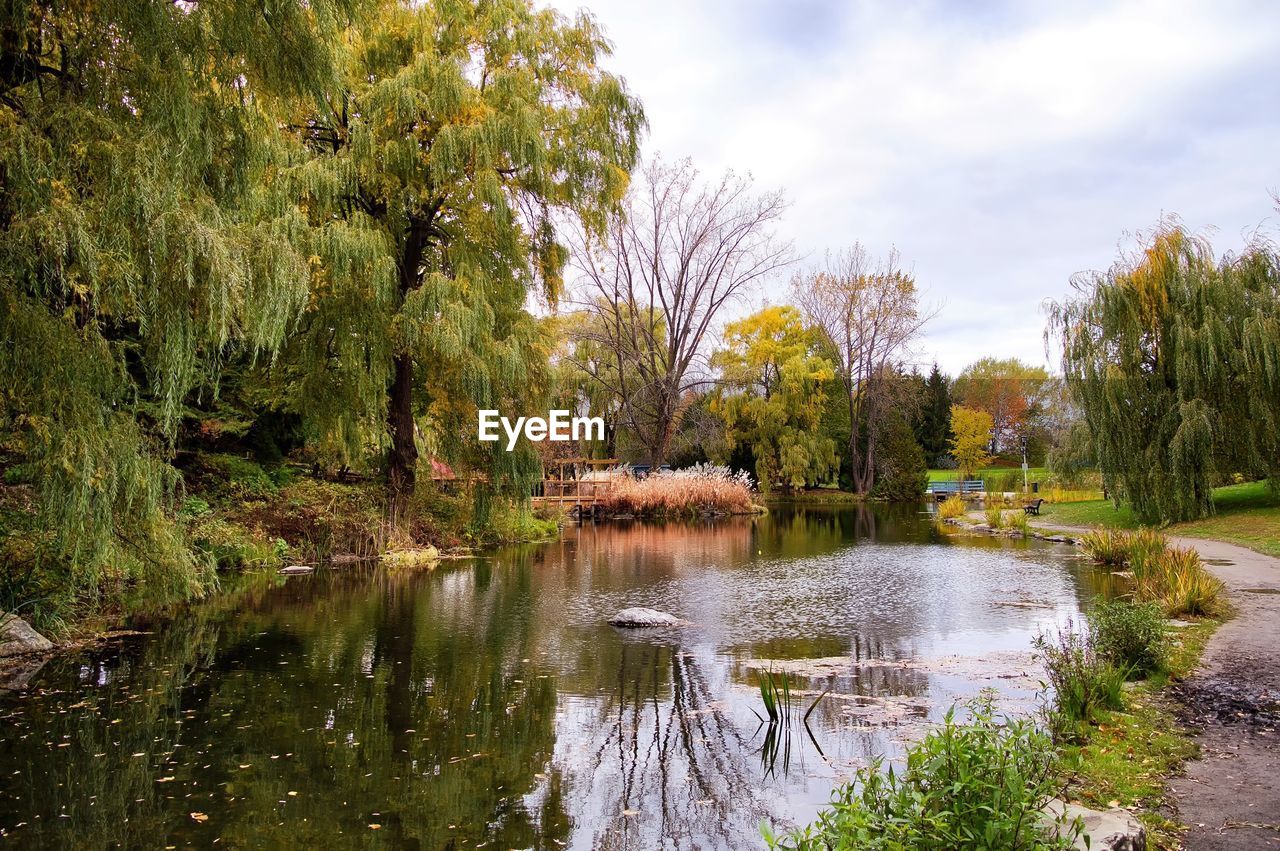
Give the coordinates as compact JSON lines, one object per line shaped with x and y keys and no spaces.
{"x":1248,"y":515}
{"x":1034,"y":474}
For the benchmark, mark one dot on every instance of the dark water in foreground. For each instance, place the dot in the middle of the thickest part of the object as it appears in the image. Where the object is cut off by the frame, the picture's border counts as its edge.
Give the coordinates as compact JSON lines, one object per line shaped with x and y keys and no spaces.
{"x":487,"y":705}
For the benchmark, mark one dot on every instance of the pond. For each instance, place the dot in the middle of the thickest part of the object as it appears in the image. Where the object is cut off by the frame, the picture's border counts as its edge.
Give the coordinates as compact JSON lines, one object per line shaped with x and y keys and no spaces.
{"x":487,"y":704}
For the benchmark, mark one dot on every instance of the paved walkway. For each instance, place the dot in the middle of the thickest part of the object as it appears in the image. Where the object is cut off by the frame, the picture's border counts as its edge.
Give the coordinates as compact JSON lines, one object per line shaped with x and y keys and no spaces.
{"x":1230,"y":795}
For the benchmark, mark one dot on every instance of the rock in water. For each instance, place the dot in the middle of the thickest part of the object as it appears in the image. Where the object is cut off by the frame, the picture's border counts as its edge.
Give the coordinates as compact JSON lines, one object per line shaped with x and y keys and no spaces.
{"x":641,"y":617}
{"x":297,"y":569}
{"x":17,"y":638}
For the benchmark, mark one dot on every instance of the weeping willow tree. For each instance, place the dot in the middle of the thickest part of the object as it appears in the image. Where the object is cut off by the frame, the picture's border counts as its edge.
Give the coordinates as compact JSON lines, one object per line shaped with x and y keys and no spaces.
{"x":1174,"y":358}
{"x":142,"y":242}
{"x":461,"y":131}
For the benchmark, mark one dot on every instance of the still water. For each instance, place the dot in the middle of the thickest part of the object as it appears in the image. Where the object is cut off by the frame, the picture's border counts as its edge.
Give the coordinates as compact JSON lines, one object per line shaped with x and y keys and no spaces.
{"x":486,"y":704}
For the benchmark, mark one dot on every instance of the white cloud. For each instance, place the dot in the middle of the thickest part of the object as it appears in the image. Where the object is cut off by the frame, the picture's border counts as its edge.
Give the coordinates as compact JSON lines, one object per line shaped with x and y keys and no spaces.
{"x":1001,"y":147}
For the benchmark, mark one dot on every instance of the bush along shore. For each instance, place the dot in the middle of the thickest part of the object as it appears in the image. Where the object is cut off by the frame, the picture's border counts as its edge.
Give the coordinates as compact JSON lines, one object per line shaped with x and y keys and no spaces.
{"x":236,"y":515}
{"x":1092,"y":770}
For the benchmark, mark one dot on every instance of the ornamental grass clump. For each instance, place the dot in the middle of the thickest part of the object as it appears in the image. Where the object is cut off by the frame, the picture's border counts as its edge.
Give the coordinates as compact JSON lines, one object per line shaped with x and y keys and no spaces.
{"x":995,"y":517}
{"x":950,"y":508}
{"x":1106,"y":546}
{"x":1178,"y":579}
{"x":975,"y":785}
{"x":1173,"y":576}
{"x":701,"y":489}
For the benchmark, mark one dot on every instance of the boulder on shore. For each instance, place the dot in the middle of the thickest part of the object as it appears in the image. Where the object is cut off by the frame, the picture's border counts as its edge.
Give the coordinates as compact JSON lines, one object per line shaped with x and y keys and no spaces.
{"x":640,"y":617}
{"x":17,"y":638}
{"x":1115,"y":829}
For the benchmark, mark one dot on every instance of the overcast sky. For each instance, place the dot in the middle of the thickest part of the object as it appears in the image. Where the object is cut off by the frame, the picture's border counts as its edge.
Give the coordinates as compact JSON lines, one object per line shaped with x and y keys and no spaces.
{"x":1000,"y":146}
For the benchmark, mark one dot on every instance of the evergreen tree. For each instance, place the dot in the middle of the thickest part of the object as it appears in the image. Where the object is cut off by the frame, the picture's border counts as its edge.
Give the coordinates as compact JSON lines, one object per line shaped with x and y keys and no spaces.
{"x":934,"y":430}
{"x":901,"y":472}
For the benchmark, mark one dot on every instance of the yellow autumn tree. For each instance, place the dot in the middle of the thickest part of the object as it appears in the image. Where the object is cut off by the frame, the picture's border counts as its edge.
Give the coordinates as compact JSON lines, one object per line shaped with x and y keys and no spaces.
{"x":773,"y":394}
{"x":970,"y":437}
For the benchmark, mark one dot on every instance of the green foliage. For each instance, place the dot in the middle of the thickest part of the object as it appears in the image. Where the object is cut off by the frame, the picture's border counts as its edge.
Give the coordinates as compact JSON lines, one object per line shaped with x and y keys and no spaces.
{"x":234,"y":547}
{"x":976,"y":785}
{"x":460,"y":131}
{"x":933,"y":418}
{"x":142,"y":243}
{"x":1084,"y":682}
{"x":901,"y":472}
{"x":1129,"y":635}
{"x":1174,"y":358}
{"x":774,"y":394}
{"x":995,"y":516}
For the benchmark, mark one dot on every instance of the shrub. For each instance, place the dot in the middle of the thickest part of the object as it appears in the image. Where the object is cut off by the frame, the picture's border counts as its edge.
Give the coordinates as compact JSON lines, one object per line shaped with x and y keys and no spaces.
{"x":953,"y":506}
{"x":701,"y":489}
{"x":1129,"y":635}
{"x":995,"y":517}
{"x":233,"y":546}
{"x":982,"y":784}
{"x":1084,"y":683}
{"x":1002,"y":482}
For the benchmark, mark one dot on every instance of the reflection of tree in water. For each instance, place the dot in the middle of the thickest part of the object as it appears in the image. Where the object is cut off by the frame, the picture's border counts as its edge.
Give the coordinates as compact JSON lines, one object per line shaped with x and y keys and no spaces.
{"x":394,"y":700}
{"x":666,"y":767}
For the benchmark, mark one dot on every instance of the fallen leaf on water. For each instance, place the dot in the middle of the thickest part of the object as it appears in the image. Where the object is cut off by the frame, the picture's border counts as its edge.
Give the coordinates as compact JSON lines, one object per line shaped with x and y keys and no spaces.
{"x":375,"y":827}
{"x":199,"y":816}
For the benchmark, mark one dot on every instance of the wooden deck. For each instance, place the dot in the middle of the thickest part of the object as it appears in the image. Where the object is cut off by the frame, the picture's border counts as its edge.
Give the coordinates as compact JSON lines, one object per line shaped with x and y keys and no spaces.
{"x":567,"y":483}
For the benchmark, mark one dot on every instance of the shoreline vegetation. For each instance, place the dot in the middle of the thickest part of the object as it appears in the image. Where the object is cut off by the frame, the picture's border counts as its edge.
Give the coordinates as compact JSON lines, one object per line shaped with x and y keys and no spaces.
{"x":1123,"y":753}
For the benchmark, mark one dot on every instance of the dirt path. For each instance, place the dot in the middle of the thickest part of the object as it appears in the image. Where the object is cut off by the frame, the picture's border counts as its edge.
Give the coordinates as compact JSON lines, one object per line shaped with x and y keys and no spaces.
{"x":1230,"y":795}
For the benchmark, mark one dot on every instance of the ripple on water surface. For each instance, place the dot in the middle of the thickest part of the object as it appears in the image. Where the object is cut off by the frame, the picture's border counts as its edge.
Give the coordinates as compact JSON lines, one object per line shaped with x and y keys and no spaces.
{"x":487,"y":704}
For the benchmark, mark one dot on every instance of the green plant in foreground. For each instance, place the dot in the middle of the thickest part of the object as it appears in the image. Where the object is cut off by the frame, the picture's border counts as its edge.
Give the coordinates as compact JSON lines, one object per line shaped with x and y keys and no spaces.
{"x":975,"y":785}
{"x":995,"y":517}
{"x":1129,"y":635}
{"x":1083,"y":681}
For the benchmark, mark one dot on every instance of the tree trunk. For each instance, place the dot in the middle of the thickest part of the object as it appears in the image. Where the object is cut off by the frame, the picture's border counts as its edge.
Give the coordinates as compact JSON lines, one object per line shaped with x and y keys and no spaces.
{"x":402,"y":461}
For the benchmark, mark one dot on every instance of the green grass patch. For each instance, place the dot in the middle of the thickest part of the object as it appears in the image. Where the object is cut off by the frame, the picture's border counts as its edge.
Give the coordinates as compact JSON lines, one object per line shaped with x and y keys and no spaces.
{"x":1034,"y":474}
{"x":1247,"y":515}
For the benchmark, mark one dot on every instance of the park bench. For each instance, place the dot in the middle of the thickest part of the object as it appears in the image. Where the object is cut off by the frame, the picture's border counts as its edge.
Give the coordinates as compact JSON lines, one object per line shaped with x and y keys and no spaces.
{"x":1033,"y":507}
{"x":944,"y":489}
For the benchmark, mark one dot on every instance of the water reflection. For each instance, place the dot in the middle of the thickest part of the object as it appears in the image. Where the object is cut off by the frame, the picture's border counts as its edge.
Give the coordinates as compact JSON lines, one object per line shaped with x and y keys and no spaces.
{"x":488,"y":705}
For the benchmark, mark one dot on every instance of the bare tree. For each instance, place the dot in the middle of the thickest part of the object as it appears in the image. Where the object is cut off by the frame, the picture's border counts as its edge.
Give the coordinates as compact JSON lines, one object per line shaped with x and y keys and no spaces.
{"x":869,"y":312}
{"x":658,"y":278}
